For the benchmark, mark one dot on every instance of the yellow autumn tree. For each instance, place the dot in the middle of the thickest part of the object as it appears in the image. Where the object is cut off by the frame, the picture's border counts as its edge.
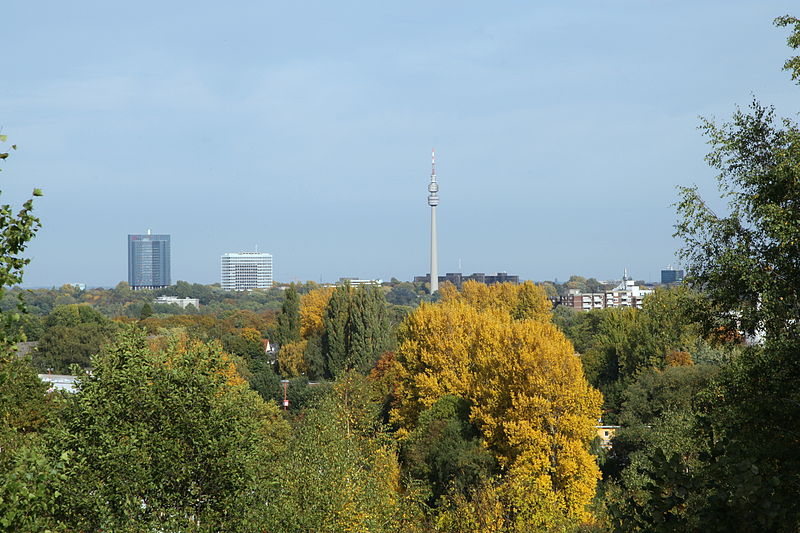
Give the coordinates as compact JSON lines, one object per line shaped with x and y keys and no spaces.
{"x":496,"y":347}
{"x":290,"y":359}
{"x":526,"y":300}
{"x":312,"y":309}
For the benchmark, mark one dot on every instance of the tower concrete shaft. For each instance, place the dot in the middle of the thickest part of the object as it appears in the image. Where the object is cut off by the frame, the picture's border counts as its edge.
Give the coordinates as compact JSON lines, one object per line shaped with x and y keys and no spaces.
{"x":433,"y":201}
{"x":434,"y":257}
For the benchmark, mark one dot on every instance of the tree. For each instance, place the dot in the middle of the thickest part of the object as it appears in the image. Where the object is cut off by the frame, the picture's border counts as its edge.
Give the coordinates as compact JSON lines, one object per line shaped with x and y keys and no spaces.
{"x":356,"y":329}
{"x":445,"y":450}
{"x":403,"y":294}
{"x":168,"y":439}
{"x":289,"y":318}
{"x":369,"y":335}
{"x":146,"y":312}
{"x":521,"y":301}
{"x":312,"y":312}
{"x":22,"y":404}
{"x":73,"y":333}
{"x":340,"y":472}
{"x":334,"y":337}
{"x":793,"y":63}
{"x":527,"y":394}
{"x":312,"y":329}
{"x":746,"y":261}
{"x":25,"y":409}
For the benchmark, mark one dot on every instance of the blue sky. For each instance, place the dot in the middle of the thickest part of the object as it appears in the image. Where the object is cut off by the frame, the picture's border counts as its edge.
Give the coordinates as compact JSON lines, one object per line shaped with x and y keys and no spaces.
{"x":561,"y":130}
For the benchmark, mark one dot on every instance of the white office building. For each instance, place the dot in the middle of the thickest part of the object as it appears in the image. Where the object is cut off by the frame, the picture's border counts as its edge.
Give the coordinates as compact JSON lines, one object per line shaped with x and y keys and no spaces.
{"x":245,"y":271}
{"x":183,"y":303}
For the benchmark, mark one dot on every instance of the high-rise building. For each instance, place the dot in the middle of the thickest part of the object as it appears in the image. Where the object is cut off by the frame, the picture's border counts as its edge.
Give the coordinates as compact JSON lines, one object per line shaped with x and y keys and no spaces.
{"x":671,"y":275}
{"x":148,"y":261}
{"x":245,"y":271}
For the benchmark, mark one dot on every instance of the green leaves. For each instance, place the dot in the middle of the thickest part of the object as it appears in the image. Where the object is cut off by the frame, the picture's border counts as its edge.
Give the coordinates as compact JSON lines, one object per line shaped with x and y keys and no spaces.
{"x":175,"y":428}
{"x":793,"y":63}
{"x":356,"y":329}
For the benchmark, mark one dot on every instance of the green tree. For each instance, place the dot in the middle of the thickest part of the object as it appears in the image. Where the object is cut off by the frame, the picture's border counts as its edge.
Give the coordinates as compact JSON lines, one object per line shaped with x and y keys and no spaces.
{"x":28,"y":491}
{"x":445,"y":450}
{"x":73,"y":333}
{"x":746,"y":261}
{"x":403,"y":294}
{"x":340,"y":472}
{"x":24,"y":406}
{"x":793,"y":63}
{"x":369,"y":334}
{"x":22,"y":403}
{"x":169,"y":440}
{"x":146,"y":312}
{"x":356,"y":329}
{"x":335,"y":334}
{"x":289,"y":318}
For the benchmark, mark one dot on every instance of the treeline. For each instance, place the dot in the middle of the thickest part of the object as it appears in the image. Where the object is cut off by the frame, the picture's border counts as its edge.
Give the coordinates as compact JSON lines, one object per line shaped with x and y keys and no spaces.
{"x":122,"y":301}
{"x":168,"y":433}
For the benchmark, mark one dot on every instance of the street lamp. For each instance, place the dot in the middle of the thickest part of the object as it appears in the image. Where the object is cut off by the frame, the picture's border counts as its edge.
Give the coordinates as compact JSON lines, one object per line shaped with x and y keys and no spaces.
{"x":285,"y":398}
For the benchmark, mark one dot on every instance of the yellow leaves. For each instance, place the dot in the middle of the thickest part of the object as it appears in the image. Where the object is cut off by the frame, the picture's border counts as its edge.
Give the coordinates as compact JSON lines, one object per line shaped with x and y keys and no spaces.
{"x":496,"y":347}
{"x":678,"y":358}
{"x":252,"y":335}
{"x":435,"y":341}
{"x":291,"y":358}
{"x":229,"y":373}
{"x":525,"y":301}
{"x":312,"y":309}
{"x":483,"y":512}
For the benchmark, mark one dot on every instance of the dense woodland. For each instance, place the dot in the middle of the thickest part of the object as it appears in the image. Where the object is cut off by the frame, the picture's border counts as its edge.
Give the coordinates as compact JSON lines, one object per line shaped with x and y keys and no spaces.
{"x":472,"y":411}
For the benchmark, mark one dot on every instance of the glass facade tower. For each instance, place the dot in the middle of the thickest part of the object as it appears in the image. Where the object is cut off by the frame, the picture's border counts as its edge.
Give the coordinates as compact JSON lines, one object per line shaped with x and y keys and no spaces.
{"x":148,"y":261}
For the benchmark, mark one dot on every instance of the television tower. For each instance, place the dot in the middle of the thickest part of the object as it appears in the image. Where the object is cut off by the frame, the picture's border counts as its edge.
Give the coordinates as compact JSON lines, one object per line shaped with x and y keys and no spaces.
{"x":433,"y":201}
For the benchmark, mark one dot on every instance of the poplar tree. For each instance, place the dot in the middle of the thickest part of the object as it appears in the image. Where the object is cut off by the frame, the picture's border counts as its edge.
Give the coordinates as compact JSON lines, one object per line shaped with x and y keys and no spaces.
{"x":368,"y":328}
{"x":356,"y":329}
{"x":334,"y":337}
{"x":289,"y":318}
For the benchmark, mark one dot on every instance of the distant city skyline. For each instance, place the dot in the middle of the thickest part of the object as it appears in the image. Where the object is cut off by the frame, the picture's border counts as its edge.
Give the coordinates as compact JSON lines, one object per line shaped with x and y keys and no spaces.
{"x":561,"y":131}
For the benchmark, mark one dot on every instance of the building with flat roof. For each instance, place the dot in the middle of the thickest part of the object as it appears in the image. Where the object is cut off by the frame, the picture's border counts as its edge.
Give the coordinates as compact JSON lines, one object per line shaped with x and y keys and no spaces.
{"x":245,"y":271}
{"x":183,"y":303}
{"x":458,"y":279}
{"x":148,"y":261}
{"x":356,"y":282}
{"x":671,"y":275}
{"x":626,"y":294}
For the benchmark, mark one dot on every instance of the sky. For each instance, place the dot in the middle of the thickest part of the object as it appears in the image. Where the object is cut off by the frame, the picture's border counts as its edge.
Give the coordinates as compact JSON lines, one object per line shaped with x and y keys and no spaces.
{"x":562,"y":130}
